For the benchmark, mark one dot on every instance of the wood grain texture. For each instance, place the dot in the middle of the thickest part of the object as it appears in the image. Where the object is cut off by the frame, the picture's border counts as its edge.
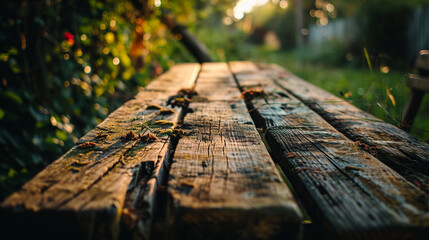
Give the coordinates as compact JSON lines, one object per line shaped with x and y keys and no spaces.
{"x":346,"y":191}
{"x":82,"y":194}
{"x":393,"y":146}
{"x":223,"y":183}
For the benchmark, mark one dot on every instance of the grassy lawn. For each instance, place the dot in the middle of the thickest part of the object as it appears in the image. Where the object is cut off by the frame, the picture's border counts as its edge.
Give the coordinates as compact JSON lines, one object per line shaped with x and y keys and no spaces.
{"x":382,"y":94}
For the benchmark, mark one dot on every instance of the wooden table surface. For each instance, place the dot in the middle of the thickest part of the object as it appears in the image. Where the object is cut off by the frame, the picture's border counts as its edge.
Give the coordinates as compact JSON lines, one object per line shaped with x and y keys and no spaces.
{"x":230,"y":151}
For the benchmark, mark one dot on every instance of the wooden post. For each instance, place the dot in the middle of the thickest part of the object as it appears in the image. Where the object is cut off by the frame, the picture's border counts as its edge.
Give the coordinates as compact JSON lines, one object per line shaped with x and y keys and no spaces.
{"x":411,"y":109}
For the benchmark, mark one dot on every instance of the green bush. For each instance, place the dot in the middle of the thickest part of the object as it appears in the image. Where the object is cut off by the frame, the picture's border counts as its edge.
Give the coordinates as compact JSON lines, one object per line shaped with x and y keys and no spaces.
{"x":65,"y":65}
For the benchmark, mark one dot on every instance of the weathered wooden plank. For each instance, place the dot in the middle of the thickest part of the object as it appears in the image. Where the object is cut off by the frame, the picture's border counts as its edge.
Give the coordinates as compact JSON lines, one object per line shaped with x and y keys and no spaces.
{"x":344,"y":189}
{"x":393,"y":146}
{"x":223,"y":183}
{"x":87,"y":186}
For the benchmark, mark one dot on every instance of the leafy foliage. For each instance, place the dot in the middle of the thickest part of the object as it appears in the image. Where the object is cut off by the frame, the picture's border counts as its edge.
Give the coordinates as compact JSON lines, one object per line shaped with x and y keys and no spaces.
{"x":65,"y":65}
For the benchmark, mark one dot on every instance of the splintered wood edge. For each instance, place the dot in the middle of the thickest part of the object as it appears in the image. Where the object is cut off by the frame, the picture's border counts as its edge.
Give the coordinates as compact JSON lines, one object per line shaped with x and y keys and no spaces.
{"x":247,"y":73}
{"x":111,"y":185}
{"x":230,"y":213}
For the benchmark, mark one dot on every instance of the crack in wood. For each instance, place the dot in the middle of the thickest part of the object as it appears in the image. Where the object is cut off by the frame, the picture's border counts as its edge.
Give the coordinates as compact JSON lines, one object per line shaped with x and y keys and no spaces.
{"x":241,"y":192}
{"x":92,"y":199}
{"x":348,"y":193}
{"x":411,"y":163}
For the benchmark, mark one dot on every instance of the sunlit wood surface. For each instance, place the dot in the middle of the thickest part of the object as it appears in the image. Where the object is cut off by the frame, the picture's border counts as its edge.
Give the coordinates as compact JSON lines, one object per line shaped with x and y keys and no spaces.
{"x":170,"y":164}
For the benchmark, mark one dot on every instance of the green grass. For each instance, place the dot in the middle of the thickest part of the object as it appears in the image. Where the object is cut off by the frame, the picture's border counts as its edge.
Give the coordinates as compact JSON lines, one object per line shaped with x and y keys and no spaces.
{"x":367,"y":89}
{"x":326,"y":67}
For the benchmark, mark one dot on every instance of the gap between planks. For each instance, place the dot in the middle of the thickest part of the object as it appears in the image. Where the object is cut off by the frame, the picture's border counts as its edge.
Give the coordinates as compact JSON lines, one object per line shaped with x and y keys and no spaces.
{"x":344,"y":189}
{"x":391,"y":145}
{"x":82,"y":194}
{"x":222,"y":181}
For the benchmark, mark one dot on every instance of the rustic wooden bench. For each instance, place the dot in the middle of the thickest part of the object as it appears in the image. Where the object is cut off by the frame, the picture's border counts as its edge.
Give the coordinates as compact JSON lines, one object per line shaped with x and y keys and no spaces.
{"x":230,"y":151}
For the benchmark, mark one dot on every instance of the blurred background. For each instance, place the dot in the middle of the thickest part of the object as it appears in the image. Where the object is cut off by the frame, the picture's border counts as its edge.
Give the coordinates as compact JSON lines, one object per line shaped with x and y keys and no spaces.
{"x":66,"y":64}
